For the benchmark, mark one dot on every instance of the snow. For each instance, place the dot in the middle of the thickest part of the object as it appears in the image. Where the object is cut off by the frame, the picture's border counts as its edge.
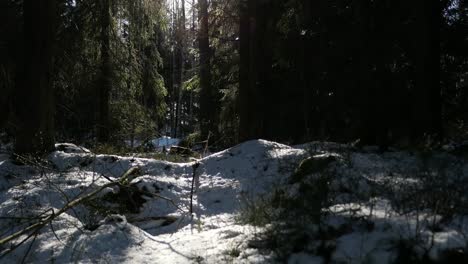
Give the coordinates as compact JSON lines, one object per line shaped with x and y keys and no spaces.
{"x":165,"y":141}
{"x":71,"y":148}
{"x":157,"y":143}
{"x":369,"y":188}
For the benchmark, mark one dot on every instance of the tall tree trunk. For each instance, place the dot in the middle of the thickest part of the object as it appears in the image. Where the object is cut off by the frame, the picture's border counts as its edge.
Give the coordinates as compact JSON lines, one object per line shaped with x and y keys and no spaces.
{"x":180,"y":38}
{"x":258,"y":94}
{"x":366,"y":91}
{"x":267,"y":100}
{"x":249,"y":117}
{"x":34,"y":90}
{"x":207,"y":100}
{"x":173,"y":93}
{"x":193,"y":36}
{"x":427,"y":113}
{"x":105,"y":81}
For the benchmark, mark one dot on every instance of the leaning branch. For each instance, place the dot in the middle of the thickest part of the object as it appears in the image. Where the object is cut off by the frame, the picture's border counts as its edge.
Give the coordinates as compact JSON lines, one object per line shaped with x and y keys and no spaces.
{"x":126,"y":178}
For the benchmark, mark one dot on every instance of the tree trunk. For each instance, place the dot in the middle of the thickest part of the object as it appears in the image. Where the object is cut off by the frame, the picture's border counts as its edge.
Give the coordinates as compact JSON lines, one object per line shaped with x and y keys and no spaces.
{"x":34,"y":91}
{"x":207,"y":100}
{"x":180,"y":38}
{"x":267,"y":91}
{"x":259,"y":95}
{"x":249,"y":117}
{"x":366,"y":91}
{"x":173,"y":93}
{"x":427,"y":112}
{"x":105,"y":82}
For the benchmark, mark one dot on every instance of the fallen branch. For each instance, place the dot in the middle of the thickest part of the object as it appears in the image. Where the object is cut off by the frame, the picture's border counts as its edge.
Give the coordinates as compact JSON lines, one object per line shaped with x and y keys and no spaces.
{"x":126,"y":178}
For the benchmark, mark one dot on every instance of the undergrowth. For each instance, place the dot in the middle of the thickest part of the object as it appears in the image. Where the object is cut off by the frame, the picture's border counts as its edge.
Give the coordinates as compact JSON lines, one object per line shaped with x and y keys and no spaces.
{"x":294,"y":216}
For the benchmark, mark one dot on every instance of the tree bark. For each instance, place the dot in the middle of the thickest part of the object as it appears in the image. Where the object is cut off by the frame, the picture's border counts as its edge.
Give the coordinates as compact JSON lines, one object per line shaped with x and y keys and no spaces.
{"x":34,"y":95}
{"x":105,"y":81}
{"x":427,"y":116}
{"x":258,"y":94}
{"x":180,"y":39}
{"x":363,"y":61}
{"x":208,"y":111}
{"x":248,"y":127}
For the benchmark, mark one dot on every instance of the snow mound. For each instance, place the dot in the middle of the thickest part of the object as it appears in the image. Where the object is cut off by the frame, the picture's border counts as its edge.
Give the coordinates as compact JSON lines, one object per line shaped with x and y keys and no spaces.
{"x":370,"y":207}
{"x":71,"y":148}
{"x":163,"y":230}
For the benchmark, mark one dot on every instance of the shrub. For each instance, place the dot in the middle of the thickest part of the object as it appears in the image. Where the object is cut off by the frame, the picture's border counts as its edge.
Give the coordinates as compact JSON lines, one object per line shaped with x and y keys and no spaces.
{"x":293,"y":213}
{"x":190,"y":140}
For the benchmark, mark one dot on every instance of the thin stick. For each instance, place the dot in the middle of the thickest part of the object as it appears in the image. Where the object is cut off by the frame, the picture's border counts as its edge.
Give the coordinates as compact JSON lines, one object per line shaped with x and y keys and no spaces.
{"x":194,"y":166}
{"x":29,"y":248}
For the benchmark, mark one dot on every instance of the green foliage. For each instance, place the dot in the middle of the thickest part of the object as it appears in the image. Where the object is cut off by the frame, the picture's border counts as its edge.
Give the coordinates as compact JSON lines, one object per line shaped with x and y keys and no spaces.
{"x":193,"y":84}
{"x":229,"y":118}
{"x":257,"y":212}
{"x":304,"y":207}
{"x":233,"y":252}
{"x":190,"y":140}
{"x":225,"y":69}
{"x":311,"y":165}
{"x":137,"y":99}
{"x":112,"y":149}
{"x":131,"y":119}
{"x":313,"y":76}
{"x":293,"y":219}
{"x":176,"y":158}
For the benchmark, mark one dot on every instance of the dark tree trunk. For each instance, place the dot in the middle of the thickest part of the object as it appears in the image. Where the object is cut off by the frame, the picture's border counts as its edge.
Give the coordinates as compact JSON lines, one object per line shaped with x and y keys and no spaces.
{"x":382,"y":107}
{"x":208,"y":109}
{"x":34,"y":91}
{"x":193,"y":35}
{"x":105,"y":79}
{"x":267,"y":101}
{"x":249,"y":127}
{"x":427,"y":112}
{"x":244,"y":85}
{"x":305,"y":72}
{"x":363,"y":65}
{"x":260,"y":103}
{"x":179,"y":69}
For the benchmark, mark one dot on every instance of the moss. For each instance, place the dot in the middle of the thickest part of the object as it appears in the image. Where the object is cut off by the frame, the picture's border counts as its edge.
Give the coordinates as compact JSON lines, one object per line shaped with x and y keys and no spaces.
{"x":233,"y":252}
{"x":190,"y":140}
{"x":311,"y":165}
{"x":175,"y":158}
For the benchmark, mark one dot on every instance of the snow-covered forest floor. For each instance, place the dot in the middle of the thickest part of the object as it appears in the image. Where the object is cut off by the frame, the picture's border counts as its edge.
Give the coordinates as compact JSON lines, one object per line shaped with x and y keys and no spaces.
{"x":258,"y":202}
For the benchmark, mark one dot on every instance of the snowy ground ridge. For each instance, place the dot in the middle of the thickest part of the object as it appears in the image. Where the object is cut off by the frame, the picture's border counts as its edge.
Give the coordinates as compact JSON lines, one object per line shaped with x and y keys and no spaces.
{"x":373,"y":188}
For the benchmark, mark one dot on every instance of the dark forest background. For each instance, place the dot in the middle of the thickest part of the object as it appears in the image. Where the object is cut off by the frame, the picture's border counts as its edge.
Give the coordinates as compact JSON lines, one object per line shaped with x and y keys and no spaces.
{"x":386,"y":72}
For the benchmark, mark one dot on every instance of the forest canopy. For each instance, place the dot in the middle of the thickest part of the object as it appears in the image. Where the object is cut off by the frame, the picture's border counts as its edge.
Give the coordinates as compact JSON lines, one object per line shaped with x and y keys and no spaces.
{"x":387,"y":73}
